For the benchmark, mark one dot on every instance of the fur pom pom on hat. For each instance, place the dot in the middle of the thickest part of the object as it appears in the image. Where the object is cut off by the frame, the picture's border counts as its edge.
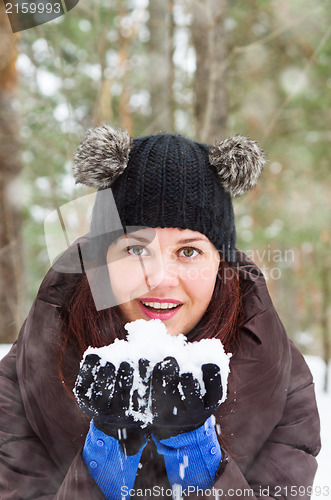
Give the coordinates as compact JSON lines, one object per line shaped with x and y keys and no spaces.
{"x":166,"y":180}
{"x":102,"y":156}
{"x":239,"y":162}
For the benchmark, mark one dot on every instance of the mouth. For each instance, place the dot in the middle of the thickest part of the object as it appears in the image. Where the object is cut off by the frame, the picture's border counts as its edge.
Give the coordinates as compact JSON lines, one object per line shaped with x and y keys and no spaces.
{"x":159,"y":309}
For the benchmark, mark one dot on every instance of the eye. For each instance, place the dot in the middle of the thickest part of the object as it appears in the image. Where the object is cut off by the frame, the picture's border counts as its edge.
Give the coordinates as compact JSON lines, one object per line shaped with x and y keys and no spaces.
{"x":189,"y":252}
{"x":137,"y":250}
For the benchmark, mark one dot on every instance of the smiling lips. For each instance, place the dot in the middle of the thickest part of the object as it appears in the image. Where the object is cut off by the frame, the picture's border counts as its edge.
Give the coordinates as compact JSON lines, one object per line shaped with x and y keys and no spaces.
{"x":159,"y":308}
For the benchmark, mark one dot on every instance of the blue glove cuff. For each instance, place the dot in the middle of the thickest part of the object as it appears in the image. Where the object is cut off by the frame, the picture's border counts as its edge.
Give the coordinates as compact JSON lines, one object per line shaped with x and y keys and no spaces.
{"x":192,"y":458}
{"x":112,"y":470}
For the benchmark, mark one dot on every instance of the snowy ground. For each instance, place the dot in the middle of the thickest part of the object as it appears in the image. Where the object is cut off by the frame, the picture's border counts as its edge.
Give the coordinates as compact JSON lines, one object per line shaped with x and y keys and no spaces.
{"x":322,"y":484}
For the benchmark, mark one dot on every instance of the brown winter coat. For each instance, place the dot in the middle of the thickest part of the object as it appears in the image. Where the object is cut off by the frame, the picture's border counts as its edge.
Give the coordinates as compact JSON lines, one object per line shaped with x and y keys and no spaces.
{"x":269,"y":422}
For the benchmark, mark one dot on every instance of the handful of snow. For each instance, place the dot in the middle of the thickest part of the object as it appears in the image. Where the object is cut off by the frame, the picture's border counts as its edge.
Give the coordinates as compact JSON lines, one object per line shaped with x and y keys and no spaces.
{"x":150,"y":340}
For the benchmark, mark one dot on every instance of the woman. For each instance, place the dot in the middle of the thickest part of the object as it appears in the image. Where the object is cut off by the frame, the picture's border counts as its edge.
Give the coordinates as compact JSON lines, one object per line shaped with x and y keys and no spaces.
{"x":168,"y":253}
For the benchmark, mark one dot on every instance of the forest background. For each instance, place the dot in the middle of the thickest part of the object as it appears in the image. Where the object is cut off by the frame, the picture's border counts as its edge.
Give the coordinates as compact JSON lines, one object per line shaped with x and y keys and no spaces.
{"x":207,"y":69}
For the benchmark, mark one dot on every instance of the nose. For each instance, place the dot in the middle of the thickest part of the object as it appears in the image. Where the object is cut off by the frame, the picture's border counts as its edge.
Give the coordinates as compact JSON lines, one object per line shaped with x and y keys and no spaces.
{"x":162,"y":273}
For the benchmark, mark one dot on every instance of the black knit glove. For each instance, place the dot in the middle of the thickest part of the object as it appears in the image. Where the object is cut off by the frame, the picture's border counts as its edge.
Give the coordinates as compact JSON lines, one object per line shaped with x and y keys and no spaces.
{"x":106,"y":396}
{"x":177,"y":403}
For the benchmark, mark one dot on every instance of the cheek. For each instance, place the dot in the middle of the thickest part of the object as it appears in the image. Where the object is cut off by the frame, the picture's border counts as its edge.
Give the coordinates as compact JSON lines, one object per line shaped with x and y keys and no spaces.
{"x":127,"y":282}
{"x":128,"y":313}
{"x":200,"y":284}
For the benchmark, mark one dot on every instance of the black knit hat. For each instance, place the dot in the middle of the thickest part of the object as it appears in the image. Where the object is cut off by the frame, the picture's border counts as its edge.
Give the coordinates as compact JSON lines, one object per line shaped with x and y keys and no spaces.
{"x":166,"y":180}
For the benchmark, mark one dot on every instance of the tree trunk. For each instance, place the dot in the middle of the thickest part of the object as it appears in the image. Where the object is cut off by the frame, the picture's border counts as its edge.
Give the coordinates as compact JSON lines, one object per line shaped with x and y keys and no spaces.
{"x":11,"y":268}
{"x":125,"y":113}
{"x":209,"y":41}
{"x":161,"y":66}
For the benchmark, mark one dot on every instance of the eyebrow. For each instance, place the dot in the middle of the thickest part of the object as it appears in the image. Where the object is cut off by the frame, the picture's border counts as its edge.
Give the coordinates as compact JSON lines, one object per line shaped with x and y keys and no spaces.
{"x":141,"y":239}
{"x":190,"y":240}
{"x":133,"y":237}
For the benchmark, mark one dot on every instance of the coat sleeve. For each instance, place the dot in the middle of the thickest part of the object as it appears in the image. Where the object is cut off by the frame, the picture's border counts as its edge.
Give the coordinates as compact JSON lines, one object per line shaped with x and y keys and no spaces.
{"x":27,"y":470}
{"x":269,"y":421}
{"x":285,"y":466}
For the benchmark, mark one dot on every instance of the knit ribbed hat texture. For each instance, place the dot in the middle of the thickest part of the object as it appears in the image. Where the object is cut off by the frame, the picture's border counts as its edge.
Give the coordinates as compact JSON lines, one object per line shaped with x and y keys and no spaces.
{"x":166,"y":180}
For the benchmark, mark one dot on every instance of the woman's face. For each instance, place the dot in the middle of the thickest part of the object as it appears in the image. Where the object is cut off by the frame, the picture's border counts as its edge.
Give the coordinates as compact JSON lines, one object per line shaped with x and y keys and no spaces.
{"x":163,"y":273}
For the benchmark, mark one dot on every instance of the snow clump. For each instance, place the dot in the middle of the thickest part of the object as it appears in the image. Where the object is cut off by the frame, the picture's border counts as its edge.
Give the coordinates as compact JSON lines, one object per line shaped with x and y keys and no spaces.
{"x":150,"y":340}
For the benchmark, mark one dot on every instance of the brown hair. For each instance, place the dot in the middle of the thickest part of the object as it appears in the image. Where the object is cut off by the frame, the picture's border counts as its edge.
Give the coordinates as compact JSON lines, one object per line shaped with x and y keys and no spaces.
{"x":84,"y":326}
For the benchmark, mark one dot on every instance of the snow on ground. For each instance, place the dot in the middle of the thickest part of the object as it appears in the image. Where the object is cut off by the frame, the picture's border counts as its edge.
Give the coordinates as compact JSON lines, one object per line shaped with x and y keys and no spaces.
{"x":322,"y":484}
{"x":4,"y":348}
